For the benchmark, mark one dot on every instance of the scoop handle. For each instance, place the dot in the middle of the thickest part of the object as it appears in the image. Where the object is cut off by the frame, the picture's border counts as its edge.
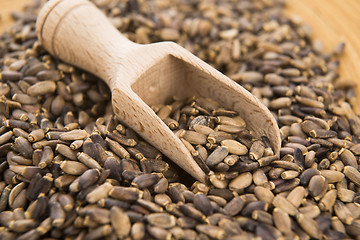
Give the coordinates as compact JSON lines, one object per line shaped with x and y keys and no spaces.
{"x":78,"y":33}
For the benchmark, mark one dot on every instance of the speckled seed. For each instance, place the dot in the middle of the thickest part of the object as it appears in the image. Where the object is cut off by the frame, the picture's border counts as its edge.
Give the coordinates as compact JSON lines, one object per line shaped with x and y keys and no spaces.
{"x":233,"y":207}
{"x":317,"y":186}
{"x":352,"y":174}
{"x":348,"y":158}
{"x":202,"y":203}
{"x":158,"y":233}
{"x":217,"y":156}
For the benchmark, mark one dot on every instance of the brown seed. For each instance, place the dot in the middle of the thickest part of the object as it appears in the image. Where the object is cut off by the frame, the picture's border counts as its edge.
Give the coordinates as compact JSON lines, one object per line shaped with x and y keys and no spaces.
{"x":99,"y":232}
{"x":200,"y":161}
{"x":4,"y":138}
{"x":158,"y":233}
{"x":212,"y":231}
{"x":218,"y":180}
{"x":120,"y":222}
{"x":279,"y":103}
{"x":88,"y":161}
{"x":285,"y":205}
{"x":282,"y":220}
{"x":234,"y":147}
{"x":22,"y":225}
{"x":256,"y":150}
{"x":57,"y":214}
{"x":242,"y":181}
{"x":117,"y":149}
{"x":297,"y":195}
{"x":145,"y":180}
{"x":309,"y":102}
{"x":229,"y":128}
{"x":202,"y":203}
{"x":42,"y":88}
{"x":318,"y":186}
{"x":286,"y":165}
{"x":262,"y":216}
{"x":99,"y":192}
{"x":217,"y":156}
{"x":263,"y":194}
{"x":348,"y":158}
{"x":309,"y":225}
{"x":162,"y":220}
{"x":345,"y":195}
{"x":217,"y":137}
{"x":15,"y":191}
{"x":125,"y":193}
{"x":22,"y":146}
{"x":234,"y":206}
{"x":195,"y":137}
{"x":73,"y":167}
{"x":66,"y":151}
{"x":332,"y":176}
{"x":124,"y":140}
{"x":36,"y":135}
{"x":64,"y":180}
{"x":310,"y":211}
{"x":47,"y":157}
{"x":191,"y":211}
{"x":290,"y":174}
{"x":343,"y":213}
{"x":203,"y":129}
{"x":328,"y":201}
{"x":352,"y":174}
{"x":138,"y":231}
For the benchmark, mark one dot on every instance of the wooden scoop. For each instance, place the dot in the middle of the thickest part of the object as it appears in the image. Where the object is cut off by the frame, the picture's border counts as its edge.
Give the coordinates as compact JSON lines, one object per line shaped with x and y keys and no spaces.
{"x":141,"y":75}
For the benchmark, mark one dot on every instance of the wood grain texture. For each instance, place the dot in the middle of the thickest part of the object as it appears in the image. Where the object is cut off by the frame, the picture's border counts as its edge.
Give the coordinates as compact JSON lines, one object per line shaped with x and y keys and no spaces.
{"x":334,"y":21}
{"x":6,"y":7}
{"x":141,"y":75}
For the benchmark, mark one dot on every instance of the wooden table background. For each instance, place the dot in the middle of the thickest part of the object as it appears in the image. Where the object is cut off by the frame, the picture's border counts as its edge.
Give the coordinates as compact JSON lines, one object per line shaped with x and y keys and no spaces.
{"x":332,"y":21}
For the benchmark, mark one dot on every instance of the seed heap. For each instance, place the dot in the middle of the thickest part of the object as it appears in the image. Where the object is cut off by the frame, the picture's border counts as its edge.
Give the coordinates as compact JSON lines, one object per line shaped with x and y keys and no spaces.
{"x":68,"y":168}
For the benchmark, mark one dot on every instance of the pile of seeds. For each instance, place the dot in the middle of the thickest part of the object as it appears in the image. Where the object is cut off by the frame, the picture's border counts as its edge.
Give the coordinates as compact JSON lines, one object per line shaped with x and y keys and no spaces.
{"x":70,"y":169}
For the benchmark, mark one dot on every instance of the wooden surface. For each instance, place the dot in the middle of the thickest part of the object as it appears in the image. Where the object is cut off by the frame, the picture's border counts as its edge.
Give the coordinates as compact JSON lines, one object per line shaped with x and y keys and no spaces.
{"x":78,"y":33}
{"x":6,"y":7}
{"x":334,"y":21}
